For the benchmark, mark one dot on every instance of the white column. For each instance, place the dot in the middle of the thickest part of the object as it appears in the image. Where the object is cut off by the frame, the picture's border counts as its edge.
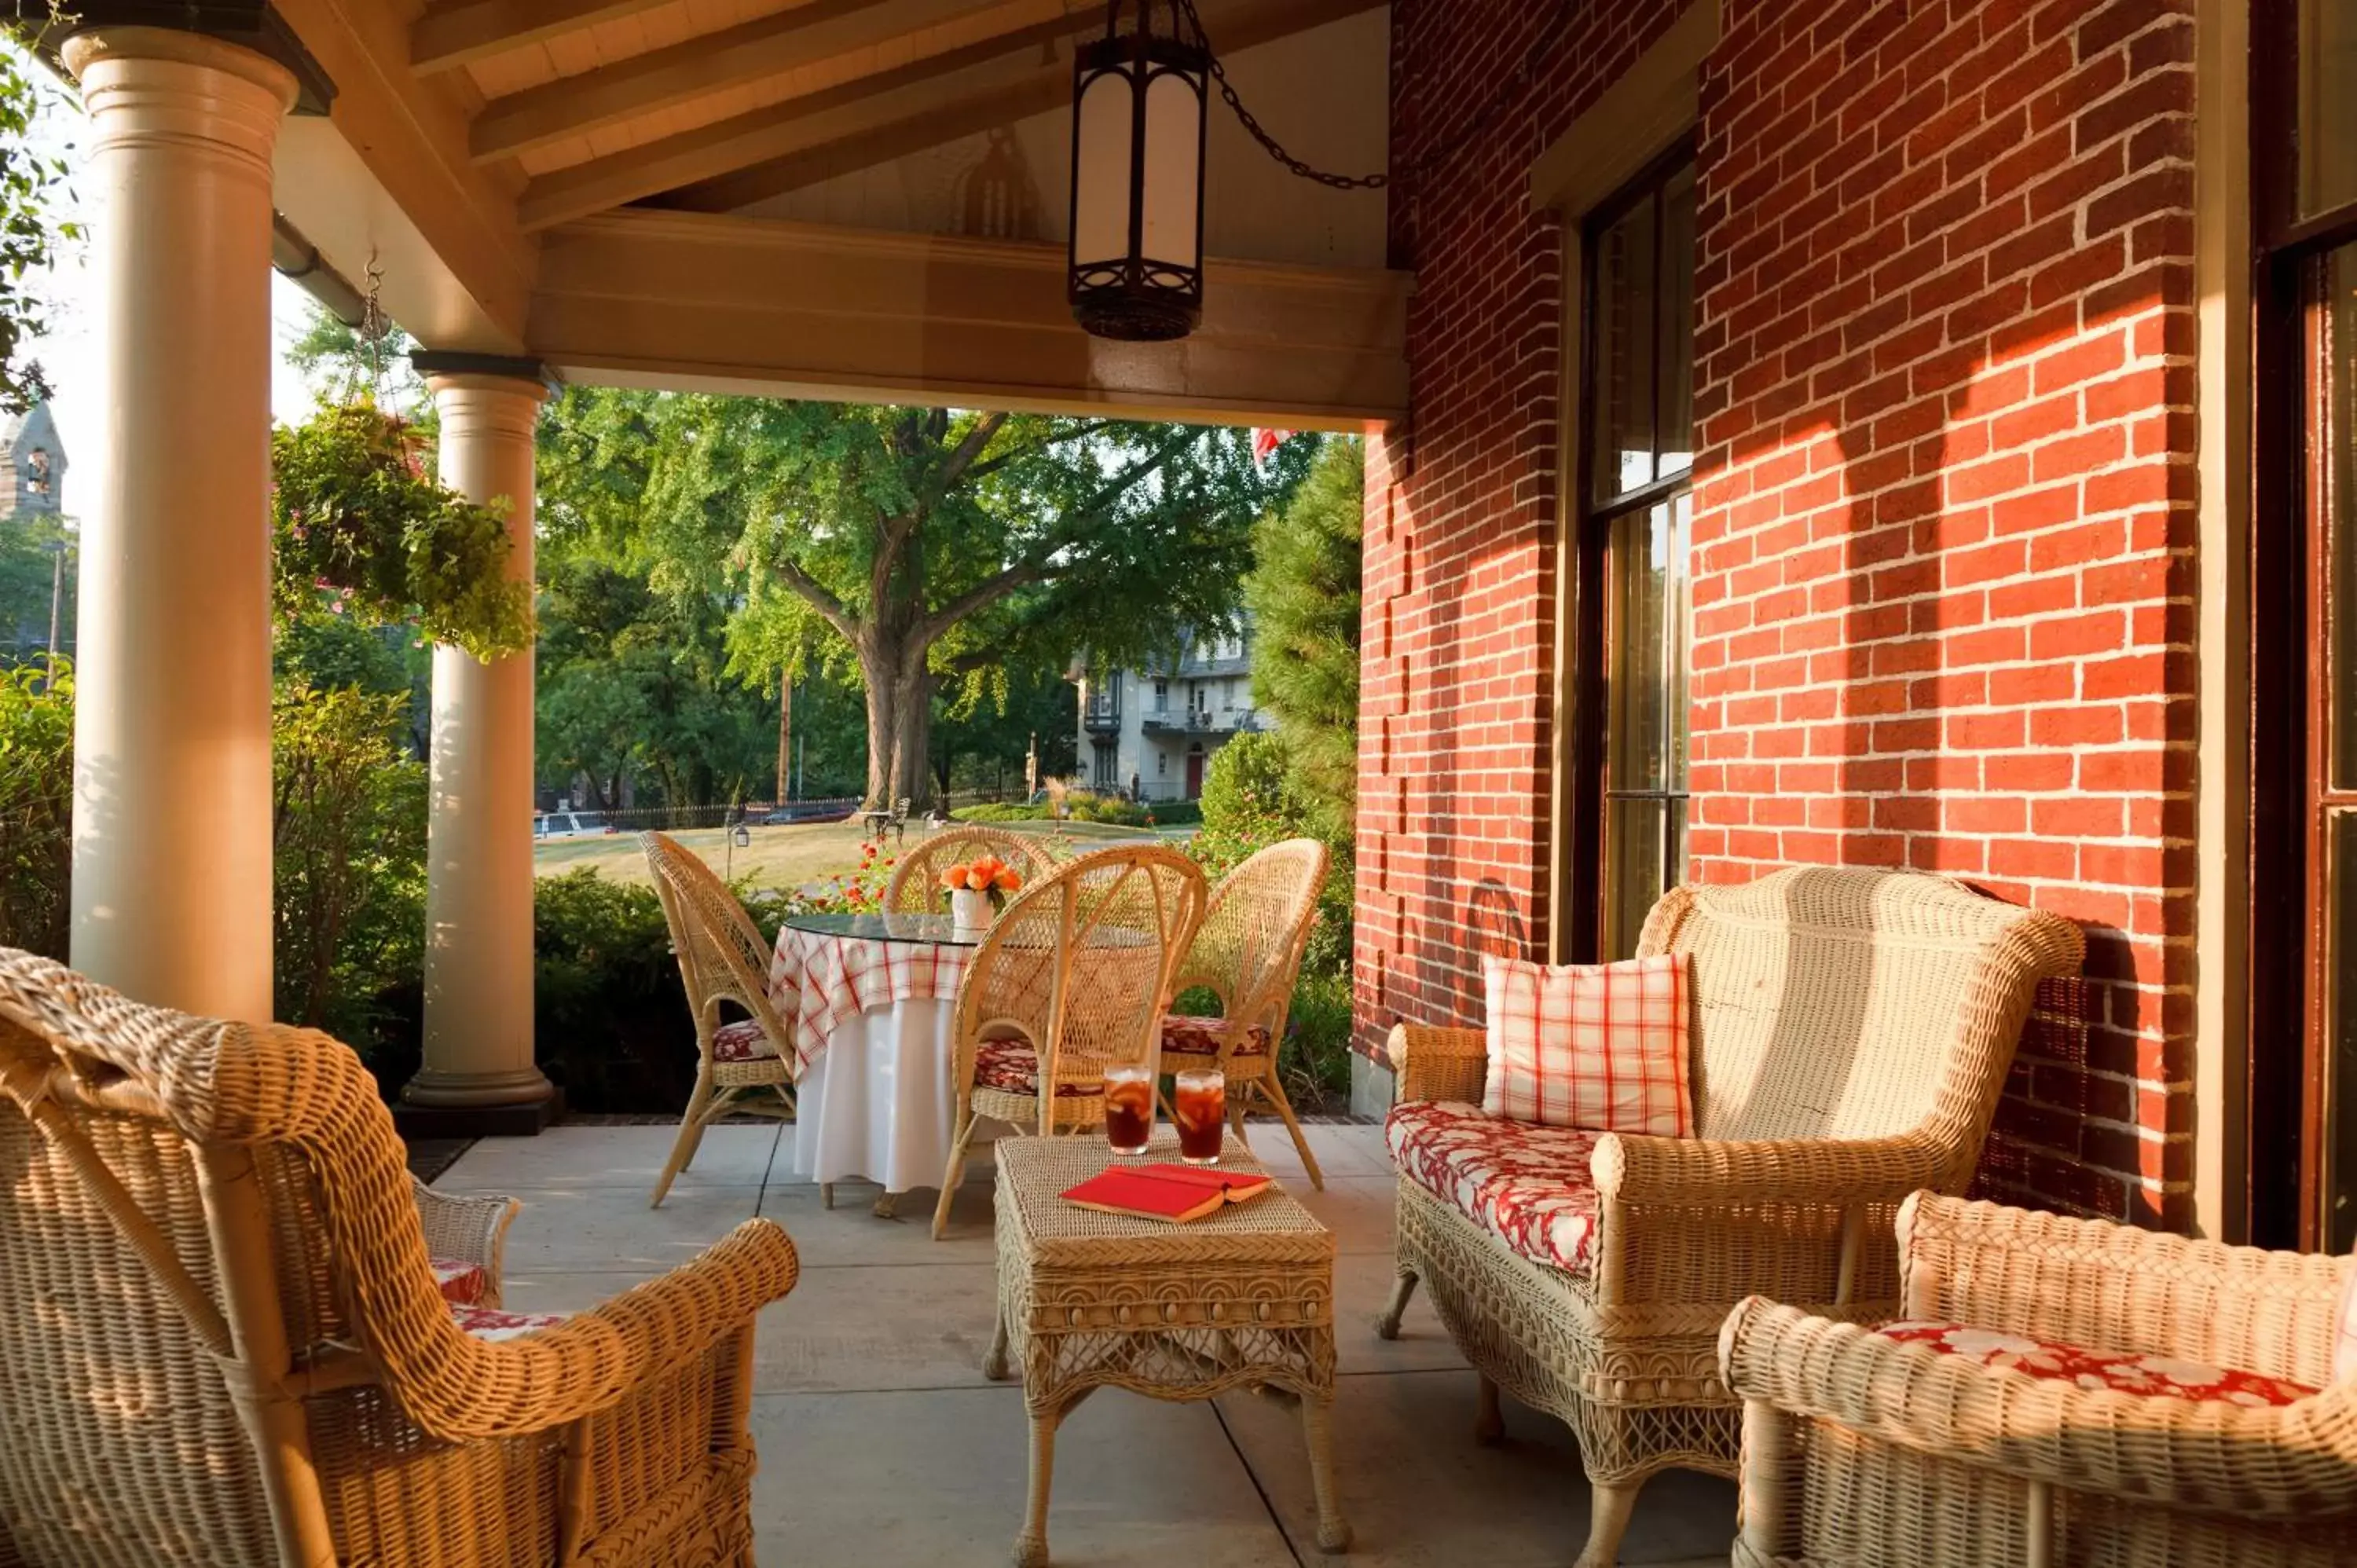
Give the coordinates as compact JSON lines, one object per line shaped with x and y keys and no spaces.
{"x":479,"y":1038}
{"x":172,"y":821}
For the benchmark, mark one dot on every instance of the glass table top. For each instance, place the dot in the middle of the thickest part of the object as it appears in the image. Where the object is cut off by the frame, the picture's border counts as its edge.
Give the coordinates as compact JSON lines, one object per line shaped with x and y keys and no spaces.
{"x":939,"y":929}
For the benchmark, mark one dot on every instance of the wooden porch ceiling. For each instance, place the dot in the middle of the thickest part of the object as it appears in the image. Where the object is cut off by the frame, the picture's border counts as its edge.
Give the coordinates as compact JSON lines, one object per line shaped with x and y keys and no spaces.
{"x":469,"y":140}
{"x":713,"y":104}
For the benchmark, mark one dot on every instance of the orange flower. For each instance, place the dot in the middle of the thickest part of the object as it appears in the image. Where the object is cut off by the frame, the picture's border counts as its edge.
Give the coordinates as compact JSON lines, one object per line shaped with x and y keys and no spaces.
{"x":953,"y":878}
{"x":1006,"y":879}
{"x":974,"y":880}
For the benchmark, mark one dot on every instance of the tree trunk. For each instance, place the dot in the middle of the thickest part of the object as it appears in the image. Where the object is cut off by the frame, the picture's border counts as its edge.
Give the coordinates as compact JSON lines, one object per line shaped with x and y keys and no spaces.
{"x":900,"y":715}
{"x":785,"y":736}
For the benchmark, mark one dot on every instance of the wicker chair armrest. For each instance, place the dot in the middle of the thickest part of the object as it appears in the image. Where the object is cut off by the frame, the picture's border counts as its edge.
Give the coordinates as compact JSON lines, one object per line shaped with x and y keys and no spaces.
{"x":679,"y":1316}
{"x":2294,"y":1461}
{"x":463,"y":1230}
{"x":1631,"y":1168}
{"x":2074,"y":1280}
{"x":590,"y":1362}
{"x":1437,"y":1063}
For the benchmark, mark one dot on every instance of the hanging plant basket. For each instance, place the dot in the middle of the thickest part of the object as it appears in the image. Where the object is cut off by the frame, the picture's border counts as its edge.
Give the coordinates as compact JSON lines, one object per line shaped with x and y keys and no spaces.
{"x":360,"y":528}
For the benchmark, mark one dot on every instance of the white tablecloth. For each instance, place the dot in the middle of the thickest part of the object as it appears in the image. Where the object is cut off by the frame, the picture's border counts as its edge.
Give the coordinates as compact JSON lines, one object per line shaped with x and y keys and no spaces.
{"x":875,"y":1104}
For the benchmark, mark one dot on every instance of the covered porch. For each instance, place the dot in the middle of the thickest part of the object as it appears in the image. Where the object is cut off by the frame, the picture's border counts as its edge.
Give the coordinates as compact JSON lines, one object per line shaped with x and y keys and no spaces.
{"x":882,"y":1443}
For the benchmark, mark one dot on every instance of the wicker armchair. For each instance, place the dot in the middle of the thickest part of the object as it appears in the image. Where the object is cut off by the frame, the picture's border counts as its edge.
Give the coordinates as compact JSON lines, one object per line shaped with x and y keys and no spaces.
{"x":1860,"y":1448}
{"x":916,"y":886}
{"x":221,"y":1343}
{"x":1074,"y":975}
{"x":1851,"y":1033}
{"x":747,"y":1067}
{"x":1248,"y":954}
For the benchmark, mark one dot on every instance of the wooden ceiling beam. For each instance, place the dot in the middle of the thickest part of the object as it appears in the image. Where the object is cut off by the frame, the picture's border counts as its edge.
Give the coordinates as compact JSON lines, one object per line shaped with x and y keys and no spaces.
{"x":465,"y":31}
{"x":811,"y":34}
{"x":880,"y":117}
{"x":690,"y":301}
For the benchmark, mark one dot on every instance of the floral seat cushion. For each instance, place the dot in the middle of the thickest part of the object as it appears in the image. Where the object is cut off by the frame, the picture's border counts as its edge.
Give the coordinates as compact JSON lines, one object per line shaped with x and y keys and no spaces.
{"x":1185,"y":1034}
{"x":1525,"y":1184}
{"x":462,"y":1284}
{"x":743,"y":1041}
{"x":491,"y":1323}
{"x":2153,"y":1377}
{"x":1013,"y":1068}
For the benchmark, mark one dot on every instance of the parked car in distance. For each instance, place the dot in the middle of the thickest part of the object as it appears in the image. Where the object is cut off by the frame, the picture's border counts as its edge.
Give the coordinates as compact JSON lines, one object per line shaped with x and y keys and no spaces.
{"x":569,"y":825}
{"x":806,"y":812}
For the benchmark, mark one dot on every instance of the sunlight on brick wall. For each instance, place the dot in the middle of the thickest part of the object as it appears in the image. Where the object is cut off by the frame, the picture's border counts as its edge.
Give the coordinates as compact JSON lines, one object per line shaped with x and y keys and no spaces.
{"x":1943,"y":528}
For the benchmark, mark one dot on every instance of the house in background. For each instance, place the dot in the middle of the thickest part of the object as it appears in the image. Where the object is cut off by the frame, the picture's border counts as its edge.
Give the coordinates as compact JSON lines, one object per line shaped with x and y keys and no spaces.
{"x":1159,"y":727}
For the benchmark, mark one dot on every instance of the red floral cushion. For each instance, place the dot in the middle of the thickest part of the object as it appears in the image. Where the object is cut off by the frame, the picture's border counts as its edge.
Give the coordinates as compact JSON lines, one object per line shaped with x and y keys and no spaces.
{"x":491,"y":1322}
{"x":2154,"y":1377}
{"x":463,"y":1283}
{"x":1525,"y":1184}
{"x":743,"y":1041}
{"x":1599,"y":1046}
{"x":1014,"y":1067}
{"x":1185,"y":1034}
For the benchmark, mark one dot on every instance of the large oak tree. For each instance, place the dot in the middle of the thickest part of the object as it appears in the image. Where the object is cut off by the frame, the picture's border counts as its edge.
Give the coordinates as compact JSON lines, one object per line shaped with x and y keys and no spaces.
{"x":925,"y":546}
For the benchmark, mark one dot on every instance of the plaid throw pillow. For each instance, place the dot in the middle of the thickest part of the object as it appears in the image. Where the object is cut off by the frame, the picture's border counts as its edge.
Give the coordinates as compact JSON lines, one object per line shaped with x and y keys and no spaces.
{"x":1596,"y":1046}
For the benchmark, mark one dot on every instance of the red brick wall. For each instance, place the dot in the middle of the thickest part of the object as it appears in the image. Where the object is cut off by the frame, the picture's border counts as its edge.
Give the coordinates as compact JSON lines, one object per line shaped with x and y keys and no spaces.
{"x":1944,"y":523}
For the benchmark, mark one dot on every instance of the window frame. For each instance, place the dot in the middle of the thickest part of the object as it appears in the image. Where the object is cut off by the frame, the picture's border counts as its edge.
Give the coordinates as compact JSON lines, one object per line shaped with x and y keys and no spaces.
{"x":2288,"y":1005}
{"x":1591,"y":694}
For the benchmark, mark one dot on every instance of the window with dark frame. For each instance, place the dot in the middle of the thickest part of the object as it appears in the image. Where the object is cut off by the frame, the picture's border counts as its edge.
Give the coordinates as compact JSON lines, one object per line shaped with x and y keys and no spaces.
{"x":2302,"y":620}
{"x":1634,"y":521}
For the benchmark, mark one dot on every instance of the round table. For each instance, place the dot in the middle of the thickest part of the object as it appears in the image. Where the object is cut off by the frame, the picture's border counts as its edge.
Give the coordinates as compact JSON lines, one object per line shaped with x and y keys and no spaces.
{"x":869,"y":1002}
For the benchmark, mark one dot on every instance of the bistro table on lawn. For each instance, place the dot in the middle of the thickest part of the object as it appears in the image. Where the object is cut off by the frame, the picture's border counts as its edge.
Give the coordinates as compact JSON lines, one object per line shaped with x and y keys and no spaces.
{"x":870,"y":1002}
{"x":1088,"y":1300}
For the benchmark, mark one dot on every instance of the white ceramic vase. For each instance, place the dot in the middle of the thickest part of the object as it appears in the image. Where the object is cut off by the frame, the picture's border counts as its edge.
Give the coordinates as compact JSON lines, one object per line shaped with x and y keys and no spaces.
{"x":970,"y":911}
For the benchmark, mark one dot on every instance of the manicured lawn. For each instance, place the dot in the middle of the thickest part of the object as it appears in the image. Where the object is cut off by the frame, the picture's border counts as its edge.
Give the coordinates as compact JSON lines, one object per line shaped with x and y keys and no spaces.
{"x":788,"y":856}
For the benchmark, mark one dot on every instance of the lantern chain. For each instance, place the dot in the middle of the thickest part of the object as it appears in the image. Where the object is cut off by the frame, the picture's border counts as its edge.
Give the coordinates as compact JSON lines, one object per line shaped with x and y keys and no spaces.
{"x":1508,"y":93}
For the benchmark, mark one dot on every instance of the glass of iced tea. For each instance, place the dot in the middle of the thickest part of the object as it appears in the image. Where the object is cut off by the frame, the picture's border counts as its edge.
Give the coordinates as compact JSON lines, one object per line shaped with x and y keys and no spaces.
{"x":1129,"y":1106}
{"x":1201,"y":1107}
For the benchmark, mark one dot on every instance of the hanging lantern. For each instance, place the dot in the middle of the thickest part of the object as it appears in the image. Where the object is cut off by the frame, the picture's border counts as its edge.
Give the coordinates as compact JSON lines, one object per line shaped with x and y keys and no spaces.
{"x":1139,"y":96}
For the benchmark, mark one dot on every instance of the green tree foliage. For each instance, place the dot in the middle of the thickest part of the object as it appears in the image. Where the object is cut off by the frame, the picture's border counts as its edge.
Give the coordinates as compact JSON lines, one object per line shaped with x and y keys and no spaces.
{"x":925,"y":548}
{"x":31,"y":186}
{"x":1304,"y":597}
{"x":35,"y":808}
{"x":634,"y":682}
{"x":355,"y":518}
{"x":30,"y":546}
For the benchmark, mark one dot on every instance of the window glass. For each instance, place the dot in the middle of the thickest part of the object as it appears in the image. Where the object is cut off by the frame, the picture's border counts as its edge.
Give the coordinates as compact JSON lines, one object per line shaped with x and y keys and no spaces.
{"x":1625,"y":261}
{"x":1645,"y":745}
{"x":2327,"y":105}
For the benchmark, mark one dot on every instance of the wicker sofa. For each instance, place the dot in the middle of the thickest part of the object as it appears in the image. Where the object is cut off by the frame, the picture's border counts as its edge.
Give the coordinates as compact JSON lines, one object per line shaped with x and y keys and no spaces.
{"x":1859,"y":1447}
{"x":1851,"y":1031}
{"x":223,"y":1342}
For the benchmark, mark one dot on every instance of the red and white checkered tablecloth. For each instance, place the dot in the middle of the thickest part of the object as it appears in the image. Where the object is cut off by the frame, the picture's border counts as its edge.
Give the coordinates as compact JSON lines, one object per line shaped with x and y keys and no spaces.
{"x":819,"y":981}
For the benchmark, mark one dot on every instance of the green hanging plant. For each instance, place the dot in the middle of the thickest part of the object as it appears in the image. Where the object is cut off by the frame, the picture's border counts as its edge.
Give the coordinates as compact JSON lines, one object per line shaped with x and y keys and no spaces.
{"x":361,"y":530}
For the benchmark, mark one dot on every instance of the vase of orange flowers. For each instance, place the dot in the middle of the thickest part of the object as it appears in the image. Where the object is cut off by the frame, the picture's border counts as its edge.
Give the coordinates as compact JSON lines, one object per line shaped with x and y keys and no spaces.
{"x":978,"y":890}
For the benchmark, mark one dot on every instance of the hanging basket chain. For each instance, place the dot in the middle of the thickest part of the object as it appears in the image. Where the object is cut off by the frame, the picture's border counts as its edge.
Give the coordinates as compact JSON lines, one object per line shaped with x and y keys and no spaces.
{"x":1510,"y":92}
{"x":375,"y":328}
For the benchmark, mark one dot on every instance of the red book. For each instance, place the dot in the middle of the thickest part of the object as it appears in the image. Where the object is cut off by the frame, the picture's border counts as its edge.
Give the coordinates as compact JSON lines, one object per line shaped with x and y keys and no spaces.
{"x":1174,"y":1193}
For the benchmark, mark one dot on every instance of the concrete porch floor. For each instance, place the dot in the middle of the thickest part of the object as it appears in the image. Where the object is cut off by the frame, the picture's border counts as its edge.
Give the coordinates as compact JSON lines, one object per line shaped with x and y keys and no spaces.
{"x":883,"y":1446}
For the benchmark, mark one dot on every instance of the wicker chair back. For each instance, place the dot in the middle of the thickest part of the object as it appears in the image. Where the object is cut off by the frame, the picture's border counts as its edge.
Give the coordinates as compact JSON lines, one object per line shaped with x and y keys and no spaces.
{"x":1248,"y":950}
{"x":722,"y":956}
{"x":916,"y":886}
{"x":1838,"y":1003}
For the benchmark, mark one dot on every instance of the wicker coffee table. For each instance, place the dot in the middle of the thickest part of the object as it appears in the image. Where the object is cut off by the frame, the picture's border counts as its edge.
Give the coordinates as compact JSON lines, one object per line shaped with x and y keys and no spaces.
{"x":1176,"y":1312}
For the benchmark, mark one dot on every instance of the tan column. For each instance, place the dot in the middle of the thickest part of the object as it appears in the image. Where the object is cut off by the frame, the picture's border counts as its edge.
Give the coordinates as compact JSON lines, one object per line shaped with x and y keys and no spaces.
{"x":171,"y":854}
{"x":479,"y":1038}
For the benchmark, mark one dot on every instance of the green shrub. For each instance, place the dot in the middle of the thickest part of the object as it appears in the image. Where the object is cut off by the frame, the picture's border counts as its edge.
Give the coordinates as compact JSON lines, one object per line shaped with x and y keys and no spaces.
{"x":347,"y":859}
{"x":36,"y":809}
{"x":1316,"y":1057}
{"x":1002,"y":811}
{"x":1174,"y":813}
{"x":609,"y":1012}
